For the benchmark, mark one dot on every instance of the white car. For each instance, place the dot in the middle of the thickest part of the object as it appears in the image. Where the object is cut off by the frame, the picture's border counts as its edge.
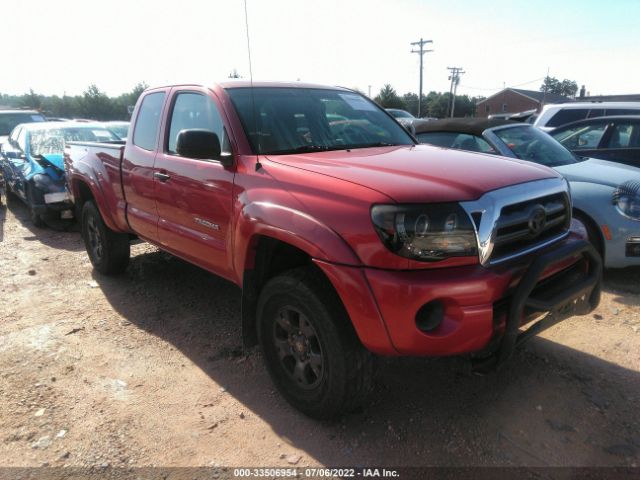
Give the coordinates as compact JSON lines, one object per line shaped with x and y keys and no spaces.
{"x":556,"y":115}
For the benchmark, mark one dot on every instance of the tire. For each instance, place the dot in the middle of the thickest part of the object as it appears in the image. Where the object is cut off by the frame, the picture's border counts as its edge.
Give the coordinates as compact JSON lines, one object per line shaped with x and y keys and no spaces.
{"x":32,"y":197}
{"x":108,"y":251}
{"x":310,"y":348}
{"x":595,"y":238}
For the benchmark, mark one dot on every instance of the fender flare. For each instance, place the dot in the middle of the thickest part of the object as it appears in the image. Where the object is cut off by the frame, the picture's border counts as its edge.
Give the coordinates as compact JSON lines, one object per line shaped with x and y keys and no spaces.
{"x":289,"y":226}
{"x":98,"y":195}
{"x":296,"y":228}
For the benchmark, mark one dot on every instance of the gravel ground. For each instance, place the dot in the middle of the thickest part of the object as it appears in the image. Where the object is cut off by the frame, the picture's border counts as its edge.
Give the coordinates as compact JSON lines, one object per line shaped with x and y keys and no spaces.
{"x":147,"y":369}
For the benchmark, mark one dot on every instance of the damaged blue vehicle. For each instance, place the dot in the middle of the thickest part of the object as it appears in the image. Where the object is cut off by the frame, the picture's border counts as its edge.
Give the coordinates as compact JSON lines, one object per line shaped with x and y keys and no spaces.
{"x":31,"y":161}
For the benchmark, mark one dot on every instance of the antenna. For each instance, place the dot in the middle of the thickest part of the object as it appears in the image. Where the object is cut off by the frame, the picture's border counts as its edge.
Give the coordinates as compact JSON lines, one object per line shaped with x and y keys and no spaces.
{"x":253,"y":98}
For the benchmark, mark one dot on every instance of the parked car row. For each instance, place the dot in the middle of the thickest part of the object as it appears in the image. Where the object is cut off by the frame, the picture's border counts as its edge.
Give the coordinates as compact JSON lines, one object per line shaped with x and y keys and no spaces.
{"x":606,"y":195}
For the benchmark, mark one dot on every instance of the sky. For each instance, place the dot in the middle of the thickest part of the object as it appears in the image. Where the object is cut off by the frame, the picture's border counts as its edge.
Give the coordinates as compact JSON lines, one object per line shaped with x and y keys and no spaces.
{"x":64,"y":46}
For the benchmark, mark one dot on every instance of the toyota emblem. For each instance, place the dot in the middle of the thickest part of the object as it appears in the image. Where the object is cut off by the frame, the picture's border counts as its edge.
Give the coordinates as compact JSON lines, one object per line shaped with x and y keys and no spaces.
{"x":537,"y":220}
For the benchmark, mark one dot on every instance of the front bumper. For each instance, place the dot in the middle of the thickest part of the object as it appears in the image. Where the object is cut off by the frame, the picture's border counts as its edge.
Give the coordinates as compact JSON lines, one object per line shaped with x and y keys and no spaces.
{"x":52,"y":199}
{"x":483,"y":308}
{"x":620,"y":248}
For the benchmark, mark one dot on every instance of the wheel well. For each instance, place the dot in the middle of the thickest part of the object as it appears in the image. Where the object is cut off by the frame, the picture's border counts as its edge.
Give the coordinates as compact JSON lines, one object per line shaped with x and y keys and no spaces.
{"x":271,"y":257}
{"x":592,"y":228}
{"x":84,"y":194}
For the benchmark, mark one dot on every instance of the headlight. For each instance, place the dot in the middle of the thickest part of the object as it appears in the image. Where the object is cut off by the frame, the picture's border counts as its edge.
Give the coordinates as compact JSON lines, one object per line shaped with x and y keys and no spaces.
{"x":43,"y":182}
{"x":425,"y":232}
{"x":626,"y":198}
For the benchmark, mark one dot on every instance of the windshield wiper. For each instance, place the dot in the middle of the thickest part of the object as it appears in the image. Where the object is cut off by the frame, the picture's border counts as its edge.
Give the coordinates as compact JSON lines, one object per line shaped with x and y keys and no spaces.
{"x":325,"y":148}
{"x":300,"y":149}
{"x":370,"y":145}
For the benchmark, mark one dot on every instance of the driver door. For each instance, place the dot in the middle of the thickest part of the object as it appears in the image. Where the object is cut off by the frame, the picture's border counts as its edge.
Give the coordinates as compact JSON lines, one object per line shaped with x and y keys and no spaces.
{"x":194,"y":196}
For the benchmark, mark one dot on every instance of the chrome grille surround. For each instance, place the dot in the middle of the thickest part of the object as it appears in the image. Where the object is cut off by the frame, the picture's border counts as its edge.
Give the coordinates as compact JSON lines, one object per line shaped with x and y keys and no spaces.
{"x":488,"y":220}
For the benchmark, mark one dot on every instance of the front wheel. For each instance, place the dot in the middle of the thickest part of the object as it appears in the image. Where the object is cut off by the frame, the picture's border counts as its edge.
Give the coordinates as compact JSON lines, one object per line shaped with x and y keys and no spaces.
{"x":310,"y":348}
{"x":108,"y":251}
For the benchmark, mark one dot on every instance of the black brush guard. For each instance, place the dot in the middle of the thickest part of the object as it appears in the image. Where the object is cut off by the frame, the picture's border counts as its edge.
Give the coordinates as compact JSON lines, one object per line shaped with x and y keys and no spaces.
{"x":577,"y":292}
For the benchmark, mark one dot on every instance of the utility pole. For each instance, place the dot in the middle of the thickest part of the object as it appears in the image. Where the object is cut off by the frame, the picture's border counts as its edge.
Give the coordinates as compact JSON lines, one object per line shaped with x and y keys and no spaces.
{"x":369,"y":91}
{"x":455,"y":80}
{"x":421,"y":51}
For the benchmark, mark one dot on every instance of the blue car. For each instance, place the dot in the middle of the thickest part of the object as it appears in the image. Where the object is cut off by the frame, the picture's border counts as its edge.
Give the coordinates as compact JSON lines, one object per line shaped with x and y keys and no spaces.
{"x":606,"y":195}
{"x":31,"y":161}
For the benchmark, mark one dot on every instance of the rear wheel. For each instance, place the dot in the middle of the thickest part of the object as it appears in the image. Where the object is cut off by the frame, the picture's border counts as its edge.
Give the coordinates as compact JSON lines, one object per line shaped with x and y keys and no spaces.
{"x":108,"y":251}
{"x":311,"y":351}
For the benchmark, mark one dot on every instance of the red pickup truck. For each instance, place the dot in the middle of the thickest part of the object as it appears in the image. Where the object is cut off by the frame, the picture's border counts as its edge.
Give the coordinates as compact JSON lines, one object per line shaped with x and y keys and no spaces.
{"x":346,"y":237}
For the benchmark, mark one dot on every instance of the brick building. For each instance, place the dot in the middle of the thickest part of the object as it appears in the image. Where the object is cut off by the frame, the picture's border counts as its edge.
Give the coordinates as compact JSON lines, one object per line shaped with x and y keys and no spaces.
{"x":514,"y":100}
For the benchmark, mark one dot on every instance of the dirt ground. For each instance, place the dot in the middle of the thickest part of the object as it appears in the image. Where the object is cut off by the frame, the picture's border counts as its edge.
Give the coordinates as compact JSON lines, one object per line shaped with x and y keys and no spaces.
{"x":147,"y":369}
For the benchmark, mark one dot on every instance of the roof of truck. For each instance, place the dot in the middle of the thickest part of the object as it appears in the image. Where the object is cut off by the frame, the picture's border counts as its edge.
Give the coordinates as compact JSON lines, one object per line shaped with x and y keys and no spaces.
{"x":248,"y":84}
{"x":261,"y":84}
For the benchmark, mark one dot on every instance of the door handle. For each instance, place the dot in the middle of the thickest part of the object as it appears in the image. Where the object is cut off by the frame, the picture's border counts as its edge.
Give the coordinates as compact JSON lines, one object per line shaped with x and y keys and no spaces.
{"x":163,"y":177}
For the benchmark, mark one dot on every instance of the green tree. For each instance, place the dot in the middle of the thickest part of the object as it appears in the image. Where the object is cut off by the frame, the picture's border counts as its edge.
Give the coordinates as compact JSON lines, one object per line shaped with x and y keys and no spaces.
{"x":411,"y":103}
{"x":96,"y":105}
{"x":123,"y":103}
{"x":31,"y":100}
{"x":569,"y":88}
{"x":566,"y":87}
{"x":389,"y":98}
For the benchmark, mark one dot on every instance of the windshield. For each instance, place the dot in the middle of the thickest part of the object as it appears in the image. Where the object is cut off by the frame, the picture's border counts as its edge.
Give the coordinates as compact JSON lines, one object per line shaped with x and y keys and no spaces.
{"x":294,"y":120}
{"x":121,"y":130}
{"x":9,"y":120}
{"x":51,"y":141}
{"x":400,"y":113}
{"x":529,"y":143}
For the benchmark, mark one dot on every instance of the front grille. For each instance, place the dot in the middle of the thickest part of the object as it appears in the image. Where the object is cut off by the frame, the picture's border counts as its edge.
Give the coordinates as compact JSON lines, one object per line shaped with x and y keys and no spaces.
{"x":525,"y":225}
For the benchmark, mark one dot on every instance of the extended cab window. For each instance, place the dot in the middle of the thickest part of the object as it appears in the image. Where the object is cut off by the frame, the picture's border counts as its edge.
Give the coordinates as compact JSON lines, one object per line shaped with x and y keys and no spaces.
{"x":194,"y":110}
{"x":146,"y":129}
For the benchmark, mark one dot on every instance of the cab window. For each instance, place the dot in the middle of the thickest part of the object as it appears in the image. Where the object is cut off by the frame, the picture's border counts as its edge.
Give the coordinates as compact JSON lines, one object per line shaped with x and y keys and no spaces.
{"x":194,"y":110}
{"x":146,"y":129}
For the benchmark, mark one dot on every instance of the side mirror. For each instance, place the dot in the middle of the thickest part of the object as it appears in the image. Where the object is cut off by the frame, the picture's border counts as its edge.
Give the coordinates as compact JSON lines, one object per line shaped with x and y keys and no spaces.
{"x":201,"y":144}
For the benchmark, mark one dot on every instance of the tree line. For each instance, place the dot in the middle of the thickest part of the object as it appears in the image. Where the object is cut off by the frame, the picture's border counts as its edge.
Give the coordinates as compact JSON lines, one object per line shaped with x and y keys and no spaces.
{"x":92,"y":104}
{"x":97,"y":105}
{"x":434,"y":104}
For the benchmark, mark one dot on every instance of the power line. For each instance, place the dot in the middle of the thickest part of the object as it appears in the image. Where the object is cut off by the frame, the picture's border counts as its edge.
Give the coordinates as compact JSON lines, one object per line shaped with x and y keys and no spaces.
{"x":422,"y":51}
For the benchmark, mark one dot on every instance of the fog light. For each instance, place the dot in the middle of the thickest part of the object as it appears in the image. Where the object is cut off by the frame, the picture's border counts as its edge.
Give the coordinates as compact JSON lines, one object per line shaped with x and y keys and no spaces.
{"x":430,"y":316}
{"x":633,"y":247}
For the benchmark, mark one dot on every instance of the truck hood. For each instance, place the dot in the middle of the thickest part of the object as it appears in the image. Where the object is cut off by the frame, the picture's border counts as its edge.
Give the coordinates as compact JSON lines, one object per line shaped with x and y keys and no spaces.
{"x":600,"y":172}
{"x":419,"y":173}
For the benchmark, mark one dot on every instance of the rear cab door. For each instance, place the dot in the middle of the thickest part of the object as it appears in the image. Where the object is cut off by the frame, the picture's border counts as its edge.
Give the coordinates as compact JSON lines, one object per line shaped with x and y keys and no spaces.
{"x":194,"y":196}
{"x":138,"y":164}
